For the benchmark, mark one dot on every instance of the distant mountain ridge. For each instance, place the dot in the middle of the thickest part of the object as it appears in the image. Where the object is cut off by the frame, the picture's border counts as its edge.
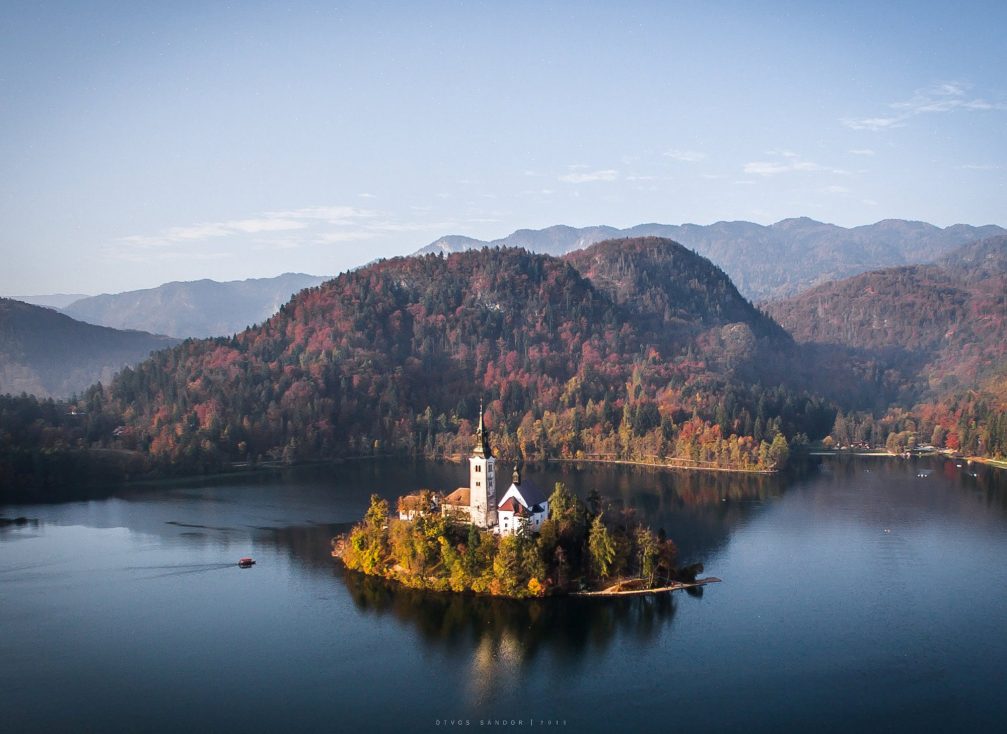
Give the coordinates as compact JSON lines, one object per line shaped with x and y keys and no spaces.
{"x":200,"y":308}
{"x":948,"y":319}
{"x":49,"y":354}
{"x":764,"y":262}
{"x":51,"y":300}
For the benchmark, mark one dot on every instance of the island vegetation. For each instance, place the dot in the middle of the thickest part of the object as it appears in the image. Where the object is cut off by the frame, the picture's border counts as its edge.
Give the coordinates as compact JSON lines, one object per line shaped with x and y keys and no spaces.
{"x":582,"y":547}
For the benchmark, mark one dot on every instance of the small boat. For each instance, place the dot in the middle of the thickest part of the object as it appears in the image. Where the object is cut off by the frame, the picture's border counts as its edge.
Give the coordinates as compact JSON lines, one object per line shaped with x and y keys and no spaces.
{"x":246,"y":562}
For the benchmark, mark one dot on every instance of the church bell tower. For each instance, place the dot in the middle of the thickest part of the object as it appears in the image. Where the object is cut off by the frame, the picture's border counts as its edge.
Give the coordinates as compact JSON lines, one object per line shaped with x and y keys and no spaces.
{"x":482,"y":479}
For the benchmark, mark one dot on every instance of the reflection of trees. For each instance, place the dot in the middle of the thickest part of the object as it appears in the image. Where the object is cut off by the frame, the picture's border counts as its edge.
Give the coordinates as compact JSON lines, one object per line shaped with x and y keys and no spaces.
{"x":510,"y":630}
{"x":666,"y":489}
{"x":698,"y":510}
{"x":993,"y":483}
{"x":308,"y":545}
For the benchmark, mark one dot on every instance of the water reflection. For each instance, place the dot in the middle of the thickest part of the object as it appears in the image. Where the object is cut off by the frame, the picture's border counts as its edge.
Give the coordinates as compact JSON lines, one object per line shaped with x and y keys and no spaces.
{"x":143,"y":588}
{"x":503,"y":635}
{"x":310,"y":546}
{"x":871,"y":488}
{"x":698,"y":510}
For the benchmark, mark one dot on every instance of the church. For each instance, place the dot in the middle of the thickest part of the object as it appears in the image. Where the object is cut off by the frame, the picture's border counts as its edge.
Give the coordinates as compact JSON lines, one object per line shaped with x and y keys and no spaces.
{"x":523,"y":502}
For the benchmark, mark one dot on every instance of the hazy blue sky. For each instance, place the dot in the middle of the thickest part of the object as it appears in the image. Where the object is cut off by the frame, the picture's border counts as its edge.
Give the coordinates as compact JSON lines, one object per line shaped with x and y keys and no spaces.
{"x":142,"y":143}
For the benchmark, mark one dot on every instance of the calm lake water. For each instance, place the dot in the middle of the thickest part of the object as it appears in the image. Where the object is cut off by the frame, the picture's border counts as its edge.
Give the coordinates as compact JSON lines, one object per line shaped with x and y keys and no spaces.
{"x":857,"y":597}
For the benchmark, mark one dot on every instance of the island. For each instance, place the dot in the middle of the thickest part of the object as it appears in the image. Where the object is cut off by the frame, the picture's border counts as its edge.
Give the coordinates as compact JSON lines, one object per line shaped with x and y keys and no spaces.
{"x":525,"y":545}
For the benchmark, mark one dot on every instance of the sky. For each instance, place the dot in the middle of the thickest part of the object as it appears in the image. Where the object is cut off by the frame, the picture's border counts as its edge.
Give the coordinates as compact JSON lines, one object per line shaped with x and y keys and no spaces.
{"x":147,"y":142}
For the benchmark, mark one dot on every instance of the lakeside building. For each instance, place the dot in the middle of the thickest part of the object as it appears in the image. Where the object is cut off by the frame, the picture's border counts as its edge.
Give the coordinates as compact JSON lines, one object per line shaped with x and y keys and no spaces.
{"x":411,"y":505}
{"x":524,"y":504}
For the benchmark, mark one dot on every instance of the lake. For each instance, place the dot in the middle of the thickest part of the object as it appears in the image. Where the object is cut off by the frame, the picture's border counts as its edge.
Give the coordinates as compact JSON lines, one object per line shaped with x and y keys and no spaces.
{"x":856,"y":596}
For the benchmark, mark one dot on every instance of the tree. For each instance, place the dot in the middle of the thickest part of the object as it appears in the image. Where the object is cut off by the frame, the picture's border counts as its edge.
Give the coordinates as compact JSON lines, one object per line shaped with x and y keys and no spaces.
{"x":566,"y":510}
{"x":779,"y":451}
{"x":648,"y":553}
{"x":841,"y":430}
{"x":369,"y":542}
{"x":600,"y":546}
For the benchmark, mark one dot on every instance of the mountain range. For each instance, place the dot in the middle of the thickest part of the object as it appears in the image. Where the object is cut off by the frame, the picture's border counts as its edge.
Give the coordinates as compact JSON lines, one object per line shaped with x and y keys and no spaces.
{"x":632,"y":348}
{"x":764,"y":262}
{"x":47,"y":353}
{"x":198,"y":308}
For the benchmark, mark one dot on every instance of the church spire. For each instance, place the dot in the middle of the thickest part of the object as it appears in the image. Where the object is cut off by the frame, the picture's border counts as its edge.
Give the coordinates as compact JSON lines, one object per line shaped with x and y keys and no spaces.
{"x":482,"y":439}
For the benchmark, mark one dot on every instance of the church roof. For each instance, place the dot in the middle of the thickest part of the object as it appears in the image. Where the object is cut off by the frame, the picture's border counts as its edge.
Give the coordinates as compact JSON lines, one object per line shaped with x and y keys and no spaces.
{"x":460,"y":497}
{"x":531,"y":493}
{"x":512,"y":505}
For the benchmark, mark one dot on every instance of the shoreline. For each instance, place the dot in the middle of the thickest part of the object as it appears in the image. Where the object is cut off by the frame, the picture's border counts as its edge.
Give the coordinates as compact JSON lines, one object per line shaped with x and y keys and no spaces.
{"x":457,"y":459}
{"x":241,"y":468}
{"x":656,"y":465}
{"x":598,"y":593}
{"x":946,"y":453}
{"x":677,"y":586}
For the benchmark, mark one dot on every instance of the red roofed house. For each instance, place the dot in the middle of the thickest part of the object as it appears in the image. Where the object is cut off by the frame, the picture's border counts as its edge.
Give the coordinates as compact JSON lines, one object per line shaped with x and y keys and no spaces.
{"x":413,"y":505}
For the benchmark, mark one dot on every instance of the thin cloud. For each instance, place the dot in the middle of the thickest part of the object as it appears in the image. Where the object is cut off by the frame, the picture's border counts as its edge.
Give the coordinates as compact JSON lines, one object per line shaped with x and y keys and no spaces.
{"x":862,"y":151}
{"x":274,"y":230}
{"x":979,"y":167}
{"x":686,"y":156}
{"x":608,"y":174}
{"x":330,"y":238}
{"x":875,"y":123}
{"x":269,"y":222}
{"x":944,"y":97}
{"x":255,"y":226}
{"x":788,"y":162}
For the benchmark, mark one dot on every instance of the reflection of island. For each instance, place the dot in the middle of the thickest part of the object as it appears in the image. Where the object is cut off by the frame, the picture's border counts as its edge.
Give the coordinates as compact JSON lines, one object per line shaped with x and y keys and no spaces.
{"x":505,"y":634}
{"x":524,"y":544}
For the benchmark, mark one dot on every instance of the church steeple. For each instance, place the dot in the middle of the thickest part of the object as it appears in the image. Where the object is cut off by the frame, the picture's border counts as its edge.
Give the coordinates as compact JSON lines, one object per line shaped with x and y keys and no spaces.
{"x":482,"y":479}
{"x":482,"y":448}
{"x":516,"y":476}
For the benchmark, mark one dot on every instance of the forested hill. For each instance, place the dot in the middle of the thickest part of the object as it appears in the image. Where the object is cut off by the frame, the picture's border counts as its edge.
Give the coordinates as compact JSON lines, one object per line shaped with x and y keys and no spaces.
{"x":658,"y":278}
{"x":45,"y":353}
{"x":940,"y":329}
{"x":950,"y":317}
{"x":978,"y":260}
{"x":647,"y":350}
